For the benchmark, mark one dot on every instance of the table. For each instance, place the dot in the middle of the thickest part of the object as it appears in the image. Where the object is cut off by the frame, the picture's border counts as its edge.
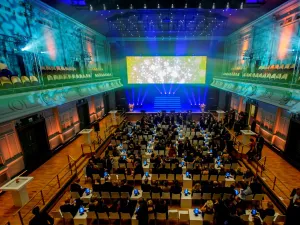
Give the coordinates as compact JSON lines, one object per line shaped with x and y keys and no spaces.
{"x":248,"y":212}
{"x":144,"y":177}
{"x":187,"y":182}
{"x":85,"y":197}
{"x":80,"y":219}
{"x":246,"y":134}
{"x":195,"y":220}
{"x":18,"y":190}
{"x":135,"y":198}
{"x":229,"y":181}
{"x":186,"y":201}
{"x":87,"y":135}
{"x":220,"y":115}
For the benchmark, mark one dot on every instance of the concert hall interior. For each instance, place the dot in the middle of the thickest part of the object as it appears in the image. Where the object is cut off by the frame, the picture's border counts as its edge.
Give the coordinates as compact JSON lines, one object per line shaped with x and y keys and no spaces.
{"x":149,"y":112}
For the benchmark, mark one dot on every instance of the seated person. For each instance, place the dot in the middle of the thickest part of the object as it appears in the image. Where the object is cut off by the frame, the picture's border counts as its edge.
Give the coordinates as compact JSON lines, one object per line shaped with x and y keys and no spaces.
{"x":196,"y":188}
{"x":155,"y":188}
{"x":139,"y":169}
{"x":76,"y":187}
{"x":162,"y":207}
{"x":146,"y":187}
{"x":269,"y":211}
{"x":196,"y":170}
{"x":69,"y":207}
{"x":40,"y":218}
{"x":176,"y":188}
{"x":177,"y":169}
{"x":115,"y":186}
{"x":212,"y":170}
{"x":256,"y":187}
{"x":163,"y":169}
{"x":107,"y":186}
{"x":165,"y":187}
{"x":150,"y":206}
{"x":124,"y":187}
{"x":208,"y":207}
{"x":295,"y":195}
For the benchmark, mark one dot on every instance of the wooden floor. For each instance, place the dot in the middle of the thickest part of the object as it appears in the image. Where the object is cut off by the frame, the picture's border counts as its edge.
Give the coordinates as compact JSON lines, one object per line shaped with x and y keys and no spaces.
{"x":287,"y":176}
{"x":47,"y":171}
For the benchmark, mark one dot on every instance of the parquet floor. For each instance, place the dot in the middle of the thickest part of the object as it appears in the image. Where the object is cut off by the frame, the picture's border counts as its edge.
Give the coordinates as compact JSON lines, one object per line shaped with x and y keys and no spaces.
{"x":287,"y":176}
{"x":46,"y":172}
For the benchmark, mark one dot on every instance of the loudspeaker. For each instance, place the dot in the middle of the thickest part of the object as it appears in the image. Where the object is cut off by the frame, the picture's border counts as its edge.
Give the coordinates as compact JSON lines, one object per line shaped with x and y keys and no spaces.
{"x":96,"y":127}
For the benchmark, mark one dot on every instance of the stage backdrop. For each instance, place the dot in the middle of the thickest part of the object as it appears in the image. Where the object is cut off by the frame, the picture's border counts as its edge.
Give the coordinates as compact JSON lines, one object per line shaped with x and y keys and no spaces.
{"x":166,"y":69}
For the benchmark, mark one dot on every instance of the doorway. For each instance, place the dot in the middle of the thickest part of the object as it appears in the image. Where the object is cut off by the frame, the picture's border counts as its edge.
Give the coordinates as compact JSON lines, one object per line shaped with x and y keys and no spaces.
{"x":83,"y":113}
{"x":33,"y":137}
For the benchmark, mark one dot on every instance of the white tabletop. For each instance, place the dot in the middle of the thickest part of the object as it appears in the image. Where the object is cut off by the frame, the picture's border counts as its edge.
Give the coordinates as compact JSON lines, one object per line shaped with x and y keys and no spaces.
{"x":186,"y":197}
{"x":193,"y":217}
{"x":220,"y":111}
{"x":133,"y":197}
{"x":14,"y":186}
{"x":113,"y":111}
{"x":86,"y":131}
{"x":247,"y":132}
{"x":83,"y":216}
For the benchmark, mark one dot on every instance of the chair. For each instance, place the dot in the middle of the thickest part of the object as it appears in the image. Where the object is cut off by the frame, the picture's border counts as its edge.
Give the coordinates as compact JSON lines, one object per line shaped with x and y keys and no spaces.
{"x":161,"y":216}
{"x":258,"y":197}
{"x":227,"y":166}
{"x":226,"y":196}
{"x":221,"y":178}
{"x":114,"y":216}
{"x":175,"y":197}
{"x":75,"y":195}
{"x":97,"y":194}
{"x":67,"y":216}
{"x":113,"y":177}
{"x":248,"y":197}
{"x":92,"y":215}
{"x":122,"y":165}
{"x":125,"y":216}
{"x":208,"y":217}
{"x":166,"y":195}
{"x":163,"y":177}
{"x":34,"y":80}
{"x":173,"y":215}
{"x":155,"y":195}
{"x":279,"y":219}
{"x":245,"y":217}
{"x":178,"y":177}
{"x":5,"y":82}
{"x":125,"y":195}
{"x":184,"y":216}
{"x":206,"y":196}
{"x":234,"y":166}
{"x":196,"y":196}
{"x":25,"y":80}
{"x":96,"y":177}
{"x":146,"y":195}
{"x":213,"y":177}
{"x":57,"y":215}
{"x":216,"y":196}
{"x":239,"y":178}
{"x":105,"y":195}
{"x":121,"y":177}
{"x":269,"y":219}
{"x":204,"y":177}
{"x":16,"y":81}
{"x":103,"y":216}
{"x":154,"y":177}
{"x":196,"y":177}
{"x":115,"y":195}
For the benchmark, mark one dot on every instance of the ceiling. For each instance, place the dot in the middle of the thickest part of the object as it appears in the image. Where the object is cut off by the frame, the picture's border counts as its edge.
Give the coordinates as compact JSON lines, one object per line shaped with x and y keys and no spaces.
{"x":177,"y":22}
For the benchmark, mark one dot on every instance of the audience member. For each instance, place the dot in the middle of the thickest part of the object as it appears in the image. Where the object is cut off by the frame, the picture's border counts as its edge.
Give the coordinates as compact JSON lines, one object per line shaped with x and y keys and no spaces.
{"x":40,"y":218}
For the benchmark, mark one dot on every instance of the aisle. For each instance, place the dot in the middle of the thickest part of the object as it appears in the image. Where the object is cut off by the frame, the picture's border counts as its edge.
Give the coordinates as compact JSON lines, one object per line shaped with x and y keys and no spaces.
{"x":47,"y":171}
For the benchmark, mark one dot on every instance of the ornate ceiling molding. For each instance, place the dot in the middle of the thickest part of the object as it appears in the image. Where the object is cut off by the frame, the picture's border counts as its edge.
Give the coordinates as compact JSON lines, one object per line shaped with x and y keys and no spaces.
{"x":18,"y":105}
{"x":286,"y":98}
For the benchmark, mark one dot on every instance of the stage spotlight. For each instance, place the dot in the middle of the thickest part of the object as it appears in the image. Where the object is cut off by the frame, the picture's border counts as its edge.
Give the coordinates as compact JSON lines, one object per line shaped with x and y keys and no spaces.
{"x":161,"y":93}
{"x":213,"y":5}
{"x":173,"y":93}
{"x":169,"y":93}
{"x":165,"y":93}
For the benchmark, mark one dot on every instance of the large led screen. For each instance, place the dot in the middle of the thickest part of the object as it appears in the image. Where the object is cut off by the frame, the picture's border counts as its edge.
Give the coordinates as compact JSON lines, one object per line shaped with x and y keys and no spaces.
{"x":166,"y":69}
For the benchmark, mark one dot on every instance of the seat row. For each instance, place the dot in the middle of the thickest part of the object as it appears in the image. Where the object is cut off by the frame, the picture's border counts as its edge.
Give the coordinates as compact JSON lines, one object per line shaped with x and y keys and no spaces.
{"x":66,"y":77}
{"x":15,"y":81}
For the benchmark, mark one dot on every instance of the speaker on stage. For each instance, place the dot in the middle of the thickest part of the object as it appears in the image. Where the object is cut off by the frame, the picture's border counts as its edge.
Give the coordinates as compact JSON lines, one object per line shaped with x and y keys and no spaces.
{"x":96,"y":127}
